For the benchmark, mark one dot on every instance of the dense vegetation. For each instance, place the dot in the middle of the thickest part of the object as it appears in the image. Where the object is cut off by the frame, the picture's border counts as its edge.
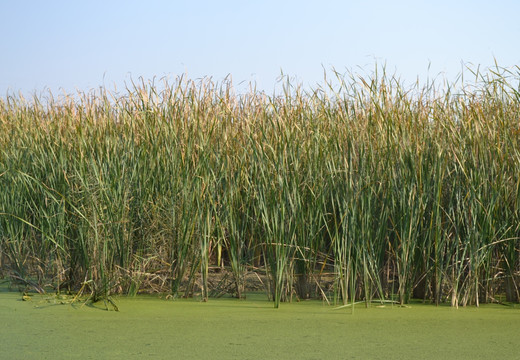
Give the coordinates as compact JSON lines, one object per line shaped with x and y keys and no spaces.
{"x":392,"y":192}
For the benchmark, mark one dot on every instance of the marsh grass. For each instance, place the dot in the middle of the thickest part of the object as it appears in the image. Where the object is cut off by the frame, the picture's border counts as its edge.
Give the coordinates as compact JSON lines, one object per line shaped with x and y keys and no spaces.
{"x":398,"y":193}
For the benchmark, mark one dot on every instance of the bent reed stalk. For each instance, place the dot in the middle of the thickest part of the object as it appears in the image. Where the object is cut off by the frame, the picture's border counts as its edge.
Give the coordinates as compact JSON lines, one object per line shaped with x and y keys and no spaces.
{"x":359,"y":190}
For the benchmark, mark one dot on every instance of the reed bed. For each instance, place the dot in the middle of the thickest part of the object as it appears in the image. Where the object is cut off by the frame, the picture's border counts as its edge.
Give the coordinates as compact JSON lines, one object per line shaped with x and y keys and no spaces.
{"x":358,"y":191}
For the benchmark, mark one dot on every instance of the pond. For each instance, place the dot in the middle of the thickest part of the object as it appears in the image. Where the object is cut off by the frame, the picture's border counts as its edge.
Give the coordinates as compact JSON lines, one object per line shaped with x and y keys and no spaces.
{"x":151,"y":327}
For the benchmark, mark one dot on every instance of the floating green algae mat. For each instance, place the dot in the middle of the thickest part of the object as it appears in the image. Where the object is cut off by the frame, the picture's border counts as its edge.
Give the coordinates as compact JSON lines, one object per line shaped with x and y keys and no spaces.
{"x":149,"y":327}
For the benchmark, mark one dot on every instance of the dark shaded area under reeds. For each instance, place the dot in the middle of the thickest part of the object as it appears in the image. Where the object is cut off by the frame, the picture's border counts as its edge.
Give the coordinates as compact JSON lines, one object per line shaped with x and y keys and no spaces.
{"x":394,"y":193}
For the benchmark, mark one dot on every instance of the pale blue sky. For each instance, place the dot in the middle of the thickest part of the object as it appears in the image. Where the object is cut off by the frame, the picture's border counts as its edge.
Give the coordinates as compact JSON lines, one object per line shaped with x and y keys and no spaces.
{"x":83,"y":44}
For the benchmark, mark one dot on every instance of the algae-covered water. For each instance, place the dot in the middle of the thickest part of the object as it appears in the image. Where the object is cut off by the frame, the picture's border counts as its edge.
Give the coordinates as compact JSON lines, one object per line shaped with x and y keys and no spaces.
{"x":150,"y":327}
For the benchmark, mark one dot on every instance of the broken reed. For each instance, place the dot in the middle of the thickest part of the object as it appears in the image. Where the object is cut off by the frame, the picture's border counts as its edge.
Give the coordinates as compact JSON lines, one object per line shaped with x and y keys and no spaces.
{"x":397,"y":193}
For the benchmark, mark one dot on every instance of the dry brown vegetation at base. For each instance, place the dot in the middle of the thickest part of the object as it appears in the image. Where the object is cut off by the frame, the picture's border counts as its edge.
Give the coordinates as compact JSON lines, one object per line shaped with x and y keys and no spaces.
{"x":396,"y":192}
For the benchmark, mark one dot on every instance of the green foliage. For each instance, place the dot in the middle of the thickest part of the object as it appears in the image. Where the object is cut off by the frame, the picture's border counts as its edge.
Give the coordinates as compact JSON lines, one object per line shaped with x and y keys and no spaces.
{"x":395,"y":192}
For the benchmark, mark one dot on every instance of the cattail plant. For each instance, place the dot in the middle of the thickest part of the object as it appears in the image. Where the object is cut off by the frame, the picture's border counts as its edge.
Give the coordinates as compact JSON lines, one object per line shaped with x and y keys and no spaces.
{"x":360,"y":190}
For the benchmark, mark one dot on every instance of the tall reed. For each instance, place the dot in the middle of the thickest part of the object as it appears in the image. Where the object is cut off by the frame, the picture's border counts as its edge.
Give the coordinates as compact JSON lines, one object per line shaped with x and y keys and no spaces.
{"x":359,"y":190}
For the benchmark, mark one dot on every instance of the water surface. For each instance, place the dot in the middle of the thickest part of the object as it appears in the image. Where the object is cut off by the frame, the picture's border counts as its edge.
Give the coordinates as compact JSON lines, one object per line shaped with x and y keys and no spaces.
{"x":150,"y":327}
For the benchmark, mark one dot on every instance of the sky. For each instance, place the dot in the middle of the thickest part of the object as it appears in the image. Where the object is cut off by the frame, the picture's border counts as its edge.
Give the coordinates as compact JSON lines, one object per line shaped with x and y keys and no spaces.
{"x":66,"y":46}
